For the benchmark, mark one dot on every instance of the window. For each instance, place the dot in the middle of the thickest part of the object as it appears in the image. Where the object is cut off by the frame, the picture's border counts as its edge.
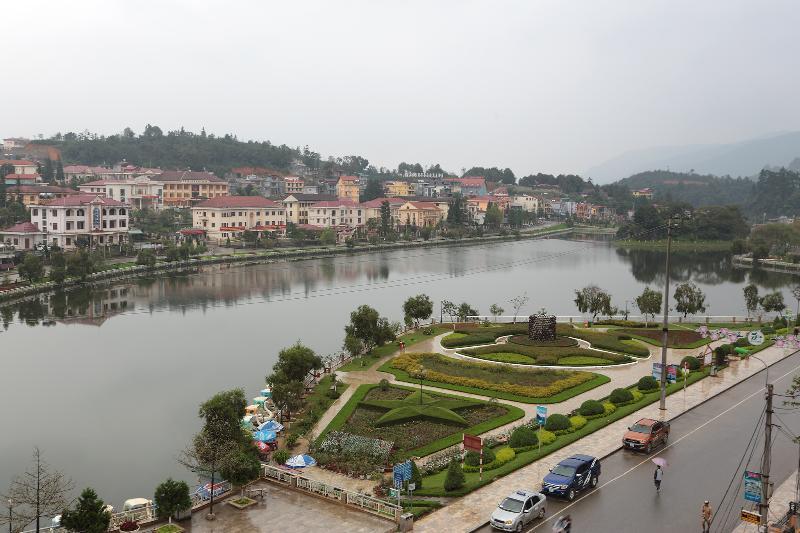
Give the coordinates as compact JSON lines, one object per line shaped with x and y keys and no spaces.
{"x":55,"y":226}
{"x":80,"y":224}
{"x":122,"y":223}
{"x":105,"y":224}
{"x":53,"y":212}
{"x":68,"y":241}
{"x":112,"y":223}
{"x":69,"y":213}
{"x":112,"y":212}
{"x":16,"y":241}
{"x":36,"y":212}
{"x":80,"y":213}
{"x":69,"y":226}
{"x":105,"y":212}
{"x":121,"y":211}
{"x":213,"y":225}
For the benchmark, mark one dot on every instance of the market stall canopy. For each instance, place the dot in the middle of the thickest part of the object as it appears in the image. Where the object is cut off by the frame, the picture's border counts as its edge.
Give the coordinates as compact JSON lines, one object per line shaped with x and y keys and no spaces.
{"x":264,"y":436}
{"x":300,"y":461}
{"x":271,"y":425}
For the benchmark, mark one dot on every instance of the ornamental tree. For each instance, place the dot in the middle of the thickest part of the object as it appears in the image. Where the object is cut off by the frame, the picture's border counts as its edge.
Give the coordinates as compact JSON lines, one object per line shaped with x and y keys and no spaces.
{"x":594,"y":300}
{"x":772,"y":302}
{"x":419,"y":307}
{"x":89,"y":514}
{"x":649,"y":303}
{"x":172,"y":497}
{"x":751,"y":299}
{"x":689,"y":299}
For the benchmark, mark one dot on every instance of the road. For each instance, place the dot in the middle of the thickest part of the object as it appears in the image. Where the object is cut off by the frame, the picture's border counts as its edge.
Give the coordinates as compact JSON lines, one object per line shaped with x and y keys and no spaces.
{"x":704,"y":450}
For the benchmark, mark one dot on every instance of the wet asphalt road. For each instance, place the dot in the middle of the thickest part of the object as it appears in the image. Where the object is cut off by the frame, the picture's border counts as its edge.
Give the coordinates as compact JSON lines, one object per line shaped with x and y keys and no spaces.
{"x":704,"y":450}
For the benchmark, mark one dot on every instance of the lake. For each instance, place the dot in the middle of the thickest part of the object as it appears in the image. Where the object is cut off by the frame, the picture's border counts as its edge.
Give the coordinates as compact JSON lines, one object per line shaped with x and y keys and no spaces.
{"x":107,"y":381}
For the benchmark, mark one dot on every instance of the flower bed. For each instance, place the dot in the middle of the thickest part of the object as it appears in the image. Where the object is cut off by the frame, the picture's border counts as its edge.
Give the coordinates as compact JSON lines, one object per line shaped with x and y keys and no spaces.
{"x":489,"y":379}
{"x":542,"y":355}
{"x":560,"y":342}
{"x":676,"y":338}
{"x":470,"y":335}
{"x":610,"y":340}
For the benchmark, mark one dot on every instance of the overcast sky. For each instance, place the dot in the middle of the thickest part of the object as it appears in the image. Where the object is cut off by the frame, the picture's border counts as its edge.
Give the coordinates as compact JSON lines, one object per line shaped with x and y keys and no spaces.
{"x":550,"y":86}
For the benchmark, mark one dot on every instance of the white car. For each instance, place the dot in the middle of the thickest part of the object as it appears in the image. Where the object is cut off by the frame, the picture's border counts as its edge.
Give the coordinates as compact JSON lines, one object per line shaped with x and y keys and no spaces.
{"x":517,"y":510}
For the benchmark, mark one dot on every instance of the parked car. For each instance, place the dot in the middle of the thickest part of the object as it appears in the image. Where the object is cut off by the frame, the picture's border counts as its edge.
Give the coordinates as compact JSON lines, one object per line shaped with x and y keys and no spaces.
{"x":518,"y":509}
{"x":571,"y":476}
{"x":645,"y":435}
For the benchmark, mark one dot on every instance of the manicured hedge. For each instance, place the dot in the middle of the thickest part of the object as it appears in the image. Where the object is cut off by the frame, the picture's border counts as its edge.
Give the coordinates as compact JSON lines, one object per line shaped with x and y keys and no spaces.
{"x":647,"y":383}
{"x":472,"y":335}
{"x":560,"y":342}
{"x":605,"y":341}
{"x":542,"y":355}
{"x":620,"y":396}
{"x":472,"y":458}
{"x":591,"y":408}
{"x":522,"y":436}
{"x":557,"y":422}
{"x":693,"y":363}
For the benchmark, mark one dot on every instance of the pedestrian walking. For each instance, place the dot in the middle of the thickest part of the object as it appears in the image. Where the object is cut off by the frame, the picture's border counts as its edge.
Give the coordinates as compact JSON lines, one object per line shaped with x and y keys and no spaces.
{"x":706,"y":513}
{"x":658,"y":475}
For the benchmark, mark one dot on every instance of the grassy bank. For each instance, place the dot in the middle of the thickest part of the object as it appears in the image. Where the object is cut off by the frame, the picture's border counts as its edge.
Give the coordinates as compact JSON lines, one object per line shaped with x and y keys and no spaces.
{"x":365,"y":361}
{"x":677,"y":245}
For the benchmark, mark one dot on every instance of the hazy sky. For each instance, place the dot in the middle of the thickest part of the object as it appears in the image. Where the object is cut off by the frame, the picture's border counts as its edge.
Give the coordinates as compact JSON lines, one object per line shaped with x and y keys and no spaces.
{"x":551,"y":86}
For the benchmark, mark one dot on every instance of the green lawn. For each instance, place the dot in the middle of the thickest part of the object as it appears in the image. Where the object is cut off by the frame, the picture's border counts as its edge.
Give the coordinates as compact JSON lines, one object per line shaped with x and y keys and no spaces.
{"x":541,"y":355}
{"x":341,"y":419}
{"x":578,"y":360}
{"x":595,"y":381}
{"x":433,"y":485}
{"x":680,"y":338}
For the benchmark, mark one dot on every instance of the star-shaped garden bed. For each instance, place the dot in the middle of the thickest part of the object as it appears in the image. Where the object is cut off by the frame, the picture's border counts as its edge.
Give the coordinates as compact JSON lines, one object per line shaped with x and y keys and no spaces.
{"x":421,"y":405}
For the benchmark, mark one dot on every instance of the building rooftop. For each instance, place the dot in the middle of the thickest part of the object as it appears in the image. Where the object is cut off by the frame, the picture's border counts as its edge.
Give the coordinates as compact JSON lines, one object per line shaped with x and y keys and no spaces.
{"x":189,"y":175}
{"x":33,"y":189}
{"x":304,"y":197}
{"x":82,"y":199}
{"x":23,"y":227}
{"x":16,"y":162}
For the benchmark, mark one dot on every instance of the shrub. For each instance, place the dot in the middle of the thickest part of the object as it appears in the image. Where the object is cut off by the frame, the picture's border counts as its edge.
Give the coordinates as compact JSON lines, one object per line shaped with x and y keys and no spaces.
{"x":455,"y":477}
{"x":427,"y":331}
{"x":474,"y":459}
{"x":620,"y":396}
{"x":577,"y":422}
{"x":693,"y":363}
{"x":416,"y":475}
{"x":280,"y":456}
{"x":522,"y":436}
{"x":624,"y":337}
{"x":332,"y":394}
{"x":505,"y":455}
{"x":647,"y":383}
{"x":291,"y":440}
{"x":557,"y":422}
{"x":768,"y":330}
{"x":384,"y":384}
{"x":741,"y":342}
{"x":637,"y":395}
{"x":547,"y":437}
{"x":591,"y":408}
{"x":609,"y":408}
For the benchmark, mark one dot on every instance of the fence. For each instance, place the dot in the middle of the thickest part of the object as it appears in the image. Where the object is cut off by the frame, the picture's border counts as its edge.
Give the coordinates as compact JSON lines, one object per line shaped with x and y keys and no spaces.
{"x":362,"y":502}
{"x":675,"y":319}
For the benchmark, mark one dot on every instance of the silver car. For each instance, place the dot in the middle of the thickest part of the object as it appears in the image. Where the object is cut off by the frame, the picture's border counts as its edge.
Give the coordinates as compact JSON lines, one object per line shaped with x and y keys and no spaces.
{"x":517,"y":510}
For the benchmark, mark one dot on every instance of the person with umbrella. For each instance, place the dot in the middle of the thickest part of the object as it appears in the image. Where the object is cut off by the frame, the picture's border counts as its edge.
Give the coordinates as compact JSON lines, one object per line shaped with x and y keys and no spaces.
{"x":658,"y":475}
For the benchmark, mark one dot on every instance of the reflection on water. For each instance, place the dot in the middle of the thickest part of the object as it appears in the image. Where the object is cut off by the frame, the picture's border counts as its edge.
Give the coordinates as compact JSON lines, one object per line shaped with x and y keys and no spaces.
{"x":118,"y":373}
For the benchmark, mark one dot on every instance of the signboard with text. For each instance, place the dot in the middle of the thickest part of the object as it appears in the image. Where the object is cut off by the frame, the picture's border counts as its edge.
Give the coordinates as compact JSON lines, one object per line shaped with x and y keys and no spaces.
{"x":472,"y":443}
{"x":755,"y":337}
{"x":672,"y":373}
{"x":541,"y":415}
{"x":752,"y":486}
{"x":657,"y":371}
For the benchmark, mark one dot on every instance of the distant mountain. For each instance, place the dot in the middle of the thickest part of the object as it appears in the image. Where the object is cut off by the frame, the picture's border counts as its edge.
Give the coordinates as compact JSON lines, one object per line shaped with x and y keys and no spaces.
{"x":745,"y":158}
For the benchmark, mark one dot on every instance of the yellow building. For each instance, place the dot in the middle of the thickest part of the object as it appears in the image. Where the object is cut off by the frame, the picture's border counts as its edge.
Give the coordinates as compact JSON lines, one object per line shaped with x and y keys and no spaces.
{"x":418,"y":214}
{"x":186,"y":188}
{"x":347,"y":188}
{"x":228,"y":217}
{"x":293,"y":184}
{"x":399,"y":188}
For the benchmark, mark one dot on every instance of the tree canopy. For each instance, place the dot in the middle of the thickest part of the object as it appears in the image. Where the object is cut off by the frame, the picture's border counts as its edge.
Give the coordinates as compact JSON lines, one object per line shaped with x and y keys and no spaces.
{"x":88,"y":516}
{"x":649,"y":302}
{"x":689,"y":299}
{"x":419,"y":307}
{"x":592,"y":299}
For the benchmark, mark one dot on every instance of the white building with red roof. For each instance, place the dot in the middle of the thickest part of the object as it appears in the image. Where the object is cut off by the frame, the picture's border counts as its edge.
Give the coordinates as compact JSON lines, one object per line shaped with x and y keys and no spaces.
{"x":335,"y":213}
{"x":468,"y":185}
{"x":228,"y":217}
{"x":82,"y":220}
{"x":21,"y":166}
{"x":23,"y":236}
{"x":141,"y":192}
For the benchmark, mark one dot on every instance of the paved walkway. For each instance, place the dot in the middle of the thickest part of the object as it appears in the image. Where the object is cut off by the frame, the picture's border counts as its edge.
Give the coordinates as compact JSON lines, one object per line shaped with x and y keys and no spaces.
{"x":778,"y":504}
{"x":474,"y":509}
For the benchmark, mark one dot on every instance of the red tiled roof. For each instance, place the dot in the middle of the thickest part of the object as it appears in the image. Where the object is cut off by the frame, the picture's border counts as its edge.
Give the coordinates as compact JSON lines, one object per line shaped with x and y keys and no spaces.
{"x":33,"y":189}
{"x":23,"y":176}
{"x":24,"y":162}
{"x":348,"y":178}
{"x":424,"y":205}
{"x":232,"y":228}
{"x":303,"y":197}
{"x":336,"y":203}
{"x":188,"y":175}
{"x":81,"y":199}
{"x":238,"y":201}
{"x":23,"y":227}
{"x":377,"y":202}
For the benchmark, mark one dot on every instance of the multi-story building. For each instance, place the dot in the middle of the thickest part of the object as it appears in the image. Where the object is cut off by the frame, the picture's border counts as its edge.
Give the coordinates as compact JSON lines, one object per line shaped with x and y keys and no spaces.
{"x":399,"y":188}
{"x":21,"y":166}
{"x":372,"y":208}
{"x":23,"y":236}
{"x":347,"y":188}
{"x":297,"y":205}
{"x":526,"y":202}
{"x":293,"y":184}
{"x":90,"y":219}
{"x":14,"y":143}
{"x":643,"y":193}
{"x":418,"y":214}
{"x":337,"y":213}
{"x":140,"y":192}
{"x":30,"y":195}
{"x":227,"y":217}
{"x":468,"y":185}
{"x":310,"y":189}
{"x":184,"y":188}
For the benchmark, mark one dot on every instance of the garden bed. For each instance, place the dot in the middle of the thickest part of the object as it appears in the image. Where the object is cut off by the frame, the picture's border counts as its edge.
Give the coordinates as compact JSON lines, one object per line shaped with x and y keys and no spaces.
{"x":433,"y":484}
{"x":417,"y":436}
{"x":560,"y":342}
{"x":609,"y":340}
{"x":676,"y":338}
{"x":487,"y":379}
{"x":474,"y":334}
{"x":242,"y":502}
{"x":545,"y":356}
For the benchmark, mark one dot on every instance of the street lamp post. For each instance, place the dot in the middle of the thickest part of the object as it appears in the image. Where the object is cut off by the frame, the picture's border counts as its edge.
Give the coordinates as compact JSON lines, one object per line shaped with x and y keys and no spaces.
{"x":665,"y":326}
{"x":10,"y":516}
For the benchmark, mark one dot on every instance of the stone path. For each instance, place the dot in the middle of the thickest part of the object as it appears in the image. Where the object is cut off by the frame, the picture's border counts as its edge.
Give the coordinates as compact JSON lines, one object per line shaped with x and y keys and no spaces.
{"x":472,"y":510}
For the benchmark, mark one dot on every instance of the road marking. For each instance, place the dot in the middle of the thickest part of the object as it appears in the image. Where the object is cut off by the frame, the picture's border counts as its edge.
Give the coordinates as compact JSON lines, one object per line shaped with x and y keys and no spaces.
{"x":671,"y":444}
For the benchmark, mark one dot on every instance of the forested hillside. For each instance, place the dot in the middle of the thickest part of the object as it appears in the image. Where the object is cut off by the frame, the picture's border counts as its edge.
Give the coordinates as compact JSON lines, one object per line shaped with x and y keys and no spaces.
{"x":698,"y":190}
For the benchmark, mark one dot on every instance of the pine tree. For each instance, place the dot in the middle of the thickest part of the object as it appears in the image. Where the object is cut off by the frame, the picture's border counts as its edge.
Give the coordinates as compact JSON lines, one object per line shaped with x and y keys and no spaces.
{"x":455,"y":476}
{"x":88,"y":516}
{"x":59,"y":171}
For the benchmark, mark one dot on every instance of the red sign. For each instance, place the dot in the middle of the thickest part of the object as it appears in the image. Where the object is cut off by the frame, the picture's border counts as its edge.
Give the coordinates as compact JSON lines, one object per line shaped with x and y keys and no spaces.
{"x":472,"y":443}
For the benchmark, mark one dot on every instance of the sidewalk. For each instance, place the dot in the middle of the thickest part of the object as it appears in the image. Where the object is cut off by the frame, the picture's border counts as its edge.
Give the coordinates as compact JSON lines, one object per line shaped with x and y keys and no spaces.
{"x":778,"y":504}
{"x":473,"y":510}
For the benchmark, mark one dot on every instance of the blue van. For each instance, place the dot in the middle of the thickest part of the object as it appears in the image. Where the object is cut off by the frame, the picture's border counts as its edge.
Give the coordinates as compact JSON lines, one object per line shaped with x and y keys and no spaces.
{"x":571,"y":476}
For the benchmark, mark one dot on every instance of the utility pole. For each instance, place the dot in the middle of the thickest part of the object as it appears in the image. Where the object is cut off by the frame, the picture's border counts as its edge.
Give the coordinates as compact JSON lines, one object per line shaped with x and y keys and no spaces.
{"x":763,"y":506}
{"x":665,"y":327}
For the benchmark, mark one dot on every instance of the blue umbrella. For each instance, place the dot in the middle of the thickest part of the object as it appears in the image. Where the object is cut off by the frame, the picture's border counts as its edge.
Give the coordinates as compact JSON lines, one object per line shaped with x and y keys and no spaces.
{"x":264,"y":436}
{"x":271,"y":425}
{"x":299,"y":461}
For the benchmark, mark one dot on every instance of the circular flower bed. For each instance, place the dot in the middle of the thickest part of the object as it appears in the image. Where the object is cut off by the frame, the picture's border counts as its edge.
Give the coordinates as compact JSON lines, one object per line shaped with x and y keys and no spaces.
{"x":560,"y":342}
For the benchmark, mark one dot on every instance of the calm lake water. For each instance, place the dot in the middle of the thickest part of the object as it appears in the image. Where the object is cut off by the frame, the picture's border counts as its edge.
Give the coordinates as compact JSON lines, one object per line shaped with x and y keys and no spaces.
{"x":107,"y":381}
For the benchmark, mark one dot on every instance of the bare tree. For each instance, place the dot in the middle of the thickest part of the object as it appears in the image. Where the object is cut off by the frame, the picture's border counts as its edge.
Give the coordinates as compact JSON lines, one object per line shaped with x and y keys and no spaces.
{"x":518,"y":302}
{"x":39,"y":491}
{"x":205,"y":456}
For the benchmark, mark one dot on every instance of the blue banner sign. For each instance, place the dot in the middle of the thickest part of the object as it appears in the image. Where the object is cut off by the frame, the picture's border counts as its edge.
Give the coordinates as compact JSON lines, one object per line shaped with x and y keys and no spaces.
{"x":752,"y":486}
{"x":541,"y":415}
